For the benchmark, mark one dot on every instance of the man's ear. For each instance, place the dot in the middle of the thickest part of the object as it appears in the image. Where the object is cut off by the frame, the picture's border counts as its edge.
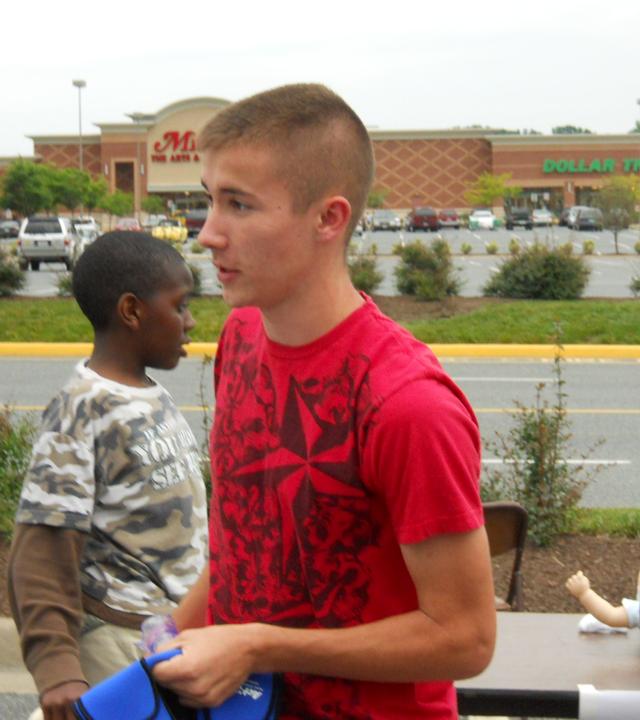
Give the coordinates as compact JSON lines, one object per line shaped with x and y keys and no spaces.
{"x":129,"y":309}
{"x":334,"y":217}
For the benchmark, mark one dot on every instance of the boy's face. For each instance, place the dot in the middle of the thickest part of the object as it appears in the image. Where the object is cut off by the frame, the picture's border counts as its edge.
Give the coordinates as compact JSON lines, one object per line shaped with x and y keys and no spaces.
{"x":166,"y":321}
{"x":263,"y":251}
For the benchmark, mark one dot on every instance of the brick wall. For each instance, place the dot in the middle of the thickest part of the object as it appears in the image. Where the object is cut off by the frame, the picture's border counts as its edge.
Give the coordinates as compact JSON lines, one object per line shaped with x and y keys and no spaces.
{"x":68,"y":156}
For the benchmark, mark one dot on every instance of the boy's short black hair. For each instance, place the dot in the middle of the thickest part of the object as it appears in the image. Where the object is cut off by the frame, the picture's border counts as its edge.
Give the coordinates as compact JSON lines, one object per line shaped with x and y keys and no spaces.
{"x":120,"y":262}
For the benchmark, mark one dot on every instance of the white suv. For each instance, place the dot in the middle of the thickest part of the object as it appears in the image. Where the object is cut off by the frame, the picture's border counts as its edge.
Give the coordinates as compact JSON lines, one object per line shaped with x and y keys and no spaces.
{"x":47,"y":239}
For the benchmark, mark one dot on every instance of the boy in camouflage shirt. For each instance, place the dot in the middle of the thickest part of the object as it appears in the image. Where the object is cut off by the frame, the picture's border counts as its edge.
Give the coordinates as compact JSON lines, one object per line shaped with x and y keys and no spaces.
{"x":111,"y":525}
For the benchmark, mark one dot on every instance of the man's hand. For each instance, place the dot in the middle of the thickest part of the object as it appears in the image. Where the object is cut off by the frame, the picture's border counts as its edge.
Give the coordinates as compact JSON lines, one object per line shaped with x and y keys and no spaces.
{"x":215,"y":661}
{"x":56,"y":703}
{"x":578,"y":584}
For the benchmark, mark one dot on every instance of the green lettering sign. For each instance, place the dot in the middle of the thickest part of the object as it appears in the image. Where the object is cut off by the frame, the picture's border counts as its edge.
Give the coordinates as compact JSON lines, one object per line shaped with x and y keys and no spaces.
{"x":594,"y":165}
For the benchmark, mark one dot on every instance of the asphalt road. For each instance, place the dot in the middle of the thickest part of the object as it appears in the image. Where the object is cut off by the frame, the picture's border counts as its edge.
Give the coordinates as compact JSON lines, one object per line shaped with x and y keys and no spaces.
{"x":610,"y":274}
{"x":602,"y":402}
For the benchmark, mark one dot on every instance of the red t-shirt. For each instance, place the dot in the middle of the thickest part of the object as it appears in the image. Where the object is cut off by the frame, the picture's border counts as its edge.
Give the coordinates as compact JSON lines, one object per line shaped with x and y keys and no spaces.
{"x":325,"y":458}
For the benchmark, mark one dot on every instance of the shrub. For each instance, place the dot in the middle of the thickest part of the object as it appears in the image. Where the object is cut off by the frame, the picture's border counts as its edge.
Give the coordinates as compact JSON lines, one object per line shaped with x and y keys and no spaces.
{"x":64,"y":283}
{"x":635,"y":285}
{"x":465,"y":248}
{"x":636,"y":247}
{"x":540,"y":272}
{"x":196,"y":248}
{"x":427,"y":272}
{"x":588,"y":246}
{"x":12,"y":278}
{"x":16,"y":439}
{"x":364,"y":273}
{"x":535,"y":472}
{"x":514,"y":246}
{"x":491,"y":247}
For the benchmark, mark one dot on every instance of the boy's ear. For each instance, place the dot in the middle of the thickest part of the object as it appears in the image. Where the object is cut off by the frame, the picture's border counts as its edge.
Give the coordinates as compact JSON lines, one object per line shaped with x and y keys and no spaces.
{"x":129,"y":310}
{"x":334,"y":217}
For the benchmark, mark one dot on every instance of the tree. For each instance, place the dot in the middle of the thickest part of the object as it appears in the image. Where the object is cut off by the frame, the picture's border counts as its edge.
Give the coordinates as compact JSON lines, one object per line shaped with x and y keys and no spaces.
{"x":488,"y":188}
{"x":636,"y":129}
{"x":117,"y":203}
{"x":153,"y":204}
{"x":570,"y":130}
{"x":25,"y":188}
{"x":94,"y":192}
{"x":617,"y":200}
{"x":68,"y":186}
{"x":375,"y":199}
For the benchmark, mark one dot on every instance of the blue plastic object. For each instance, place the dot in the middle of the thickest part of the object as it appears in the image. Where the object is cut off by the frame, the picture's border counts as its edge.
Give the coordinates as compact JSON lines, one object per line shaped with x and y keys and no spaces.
{"x":133,"y":694}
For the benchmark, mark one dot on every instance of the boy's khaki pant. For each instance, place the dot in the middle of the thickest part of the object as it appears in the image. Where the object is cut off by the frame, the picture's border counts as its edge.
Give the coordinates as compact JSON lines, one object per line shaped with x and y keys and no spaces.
{"x":104,"y":649}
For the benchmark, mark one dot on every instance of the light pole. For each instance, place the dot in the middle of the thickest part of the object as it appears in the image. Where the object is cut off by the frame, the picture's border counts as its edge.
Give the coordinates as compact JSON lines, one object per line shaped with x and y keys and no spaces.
{"x":80,"y":84}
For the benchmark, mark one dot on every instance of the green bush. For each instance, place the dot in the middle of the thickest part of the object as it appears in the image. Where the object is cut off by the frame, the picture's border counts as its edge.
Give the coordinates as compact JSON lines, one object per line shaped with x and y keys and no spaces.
{"x":465,"y":248}
{"x":588,"y":246}
{"x":16,"y":440}
{"x":540,"y":272}
{"x":12,"y":278}
{"x":514,"y":247}
{"x":196,"y":248}
{"x":534,"y":470}
{"x":427,"y":271}
{"x":491,"y":247}
{"x":636,"y":247}
{"x":64,"y":283}
{"x":635,"y":285}
{"x":364,"y":272}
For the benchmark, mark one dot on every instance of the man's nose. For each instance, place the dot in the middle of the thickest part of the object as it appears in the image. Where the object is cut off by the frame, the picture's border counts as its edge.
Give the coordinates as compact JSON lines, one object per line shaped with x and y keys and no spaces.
{"x":212,"y":234}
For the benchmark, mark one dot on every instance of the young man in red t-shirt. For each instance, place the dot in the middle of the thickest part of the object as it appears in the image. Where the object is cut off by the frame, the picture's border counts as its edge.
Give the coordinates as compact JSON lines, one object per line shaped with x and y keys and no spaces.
{"x":347,"y":543}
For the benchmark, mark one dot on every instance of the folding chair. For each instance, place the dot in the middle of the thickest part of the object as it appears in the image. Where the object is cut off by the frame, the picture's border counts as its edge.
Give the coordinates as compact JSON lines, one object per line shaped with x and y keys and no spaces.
{"x":506,"y":525}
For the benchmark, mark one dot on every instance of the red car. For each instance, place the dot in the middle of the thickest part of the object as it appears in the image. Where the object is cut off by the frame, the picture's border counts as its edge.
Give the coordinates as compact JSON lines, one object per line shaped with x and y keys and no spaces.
{"x":194,"y":220}
{"x":423,"y":218}
{"x":449,"y":218}
{"x":128,"y":224}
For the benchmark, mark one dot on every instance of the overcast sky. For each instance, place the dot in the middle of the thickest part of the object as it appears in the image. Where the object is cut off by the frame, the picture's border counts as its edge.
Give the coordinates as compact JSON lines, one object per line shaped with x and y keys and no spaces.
{"x":400,"y":64}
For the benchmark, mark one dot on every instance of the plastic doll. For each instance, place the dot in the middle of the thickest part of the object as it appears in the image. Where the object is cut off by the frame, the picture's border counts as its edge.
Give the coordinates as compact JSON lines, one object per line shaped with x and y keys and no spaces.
{"x":620,"y":616}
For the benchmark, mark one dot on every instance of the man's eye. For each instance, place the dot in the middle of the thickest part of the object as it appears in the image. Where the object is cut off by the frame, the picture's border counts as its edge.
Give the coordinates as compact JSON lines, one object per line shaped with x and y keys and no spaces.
{"x":239,"y":205}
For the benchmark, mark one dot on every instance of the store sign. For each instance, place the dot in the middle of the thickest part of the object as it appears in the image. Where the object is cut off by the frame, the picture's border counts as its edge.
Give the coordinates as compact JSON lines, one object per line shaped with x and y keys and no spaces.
{"x":595,"y":165}
{"x":175,"y":147}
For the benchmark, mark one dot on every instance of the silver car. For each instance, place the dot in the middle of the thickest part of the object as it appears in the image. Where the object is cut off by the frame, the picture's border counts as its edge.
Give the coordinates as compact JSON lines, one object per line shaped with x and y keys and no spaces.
{"x":48,"y":239}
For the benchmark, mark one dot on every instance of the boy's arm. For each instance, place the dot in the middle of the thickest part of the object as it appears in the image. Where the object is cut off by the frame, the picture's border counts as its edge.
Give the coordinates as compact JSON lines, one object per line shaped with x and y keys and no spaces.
{"x":450,"y":636}
{"x":46,"y":603}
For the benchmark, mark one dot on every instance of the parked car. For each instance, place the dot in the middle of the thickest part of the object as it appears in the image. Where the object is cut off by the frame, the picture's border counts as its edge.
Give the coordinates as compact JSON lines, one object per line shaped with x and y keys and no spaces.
{"x":86,"y":221}
{"x":152,"y":220}
{"x":386,"y":220}
{"x":542,"y":217}
{"x":482,"y":220}
{"x":518,"y":217}
{"x":589,"y":219}
{"x":48,"y":239}
{"x":9,"y":229}
{"x":422,"y":218}
{"x":573,"y":213}
{"x":194,"y":220}
{"x":171,"y":230}
{"x":128,"y":223}
{"x":449,"y":218}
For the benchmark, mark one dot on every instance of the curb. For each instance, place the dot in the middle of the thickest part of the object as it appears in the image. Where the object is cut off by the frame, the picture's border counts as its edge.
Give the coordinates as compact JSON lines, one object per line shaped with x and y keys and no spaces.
{"x":443,"y":350}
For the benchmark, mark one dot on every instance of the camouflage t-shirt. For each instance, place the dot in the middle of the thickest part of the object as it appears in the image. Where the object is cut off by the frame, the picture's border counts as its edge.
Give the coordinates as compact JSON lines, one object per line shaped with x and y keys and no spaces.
{"x":121,"y":464}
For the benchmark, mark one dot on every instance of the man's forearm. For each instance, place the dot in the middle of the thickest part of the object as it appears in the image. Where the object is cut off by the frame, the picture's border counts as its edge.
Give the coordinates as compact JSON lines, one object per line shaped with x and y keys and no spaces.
{"x":191,"y":612}
{"x":404,"y":648}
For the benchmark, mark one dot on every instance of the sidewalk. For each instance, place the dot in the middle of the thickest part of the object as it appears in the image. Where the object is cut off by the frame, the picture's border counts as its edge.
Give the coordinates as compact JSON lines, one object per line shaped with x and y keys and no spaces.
{"x":14,"y":677}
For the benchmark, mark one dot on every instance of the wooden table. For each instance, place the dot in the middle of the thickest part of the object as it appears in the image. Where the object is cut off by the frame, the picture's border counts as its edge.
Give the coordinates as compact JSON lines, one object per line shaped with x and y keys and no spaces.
{"x":539,"y":661}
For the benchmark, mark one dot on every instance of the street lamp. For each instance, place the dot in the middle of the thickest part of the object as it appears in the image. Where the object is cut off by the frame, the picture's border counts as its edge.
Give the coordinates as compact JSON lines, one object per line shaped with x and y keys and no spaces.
{"x":80,"y":84}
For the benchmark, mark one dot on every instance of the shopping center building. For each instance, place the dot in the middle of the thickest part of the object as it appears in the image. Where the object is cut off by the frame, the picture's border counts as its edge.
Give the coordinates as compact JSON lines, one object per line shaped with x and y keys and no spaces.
{"x":156,"y":153}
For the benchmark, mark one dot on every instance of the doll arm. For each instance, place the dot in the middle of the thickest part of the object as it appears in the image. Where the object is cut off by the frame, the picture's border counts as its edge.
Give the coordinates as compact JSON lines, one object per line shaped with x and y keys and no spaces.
{"x":614,"y":616}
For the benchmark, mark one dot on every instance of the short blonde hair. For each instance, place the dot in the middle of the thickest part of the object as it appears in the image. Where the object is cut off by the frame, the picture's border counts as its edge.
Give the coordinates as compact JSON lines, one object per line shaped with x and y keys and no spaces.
{"x":321,"y":145}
